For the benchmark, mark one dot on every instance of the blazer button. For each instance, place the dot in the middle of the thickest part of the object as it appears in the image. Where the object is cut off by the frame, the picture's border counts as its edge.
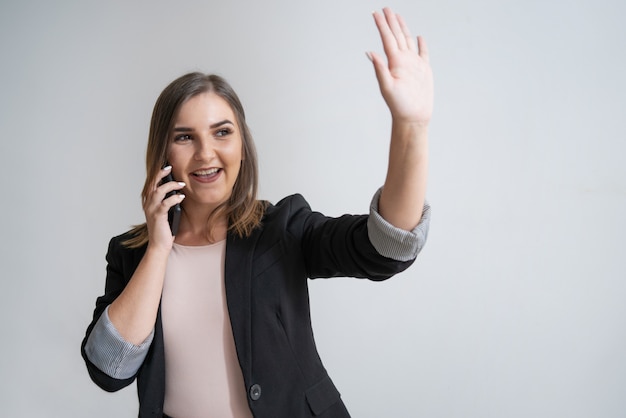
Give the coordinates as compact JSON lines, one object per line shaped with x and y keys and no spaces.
{"x":255,"y":392}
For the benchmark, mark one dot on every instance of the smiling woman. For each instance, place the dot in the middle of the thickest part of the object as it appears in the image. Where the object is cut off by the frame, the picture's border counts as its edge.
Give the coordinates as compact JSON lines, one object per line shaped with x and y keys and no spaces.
{"x":189,"y":110}
{"x":215,"y":321}
{"x":206,"y":154}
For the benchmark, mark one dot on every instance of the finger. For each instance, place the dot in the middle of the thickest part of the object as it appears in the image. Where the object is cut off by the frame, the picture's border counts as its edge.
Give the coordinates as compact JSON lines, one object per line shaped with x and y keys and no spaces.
{"x":162,"y":173}
{"x":410,"y":41}
{"x":161,"y":207}
{"x":170,"y":186}
{"x":423,"y":49}
{"x":381,"y":70}
{"x":171,"y":201}
{"x":396,"y":28}
{"x":389,"y":41}
{"x":162,"y":192}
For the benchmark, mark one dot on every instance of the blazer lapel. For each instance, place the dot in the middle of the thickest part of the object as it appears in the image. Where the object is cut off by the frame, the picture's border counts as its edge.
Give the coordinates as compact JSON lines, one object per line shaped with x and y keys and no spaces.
{"x":237,"y":276}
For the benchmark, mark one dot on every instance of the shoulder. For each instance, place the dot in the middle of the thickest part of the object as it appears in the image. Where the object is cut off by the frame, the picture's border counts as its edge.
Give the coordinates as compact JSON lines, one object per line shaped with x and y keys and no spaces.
{"x":119,"y":248}
{"x":286,"y":210}
{"x":294,"y":201}
{"x":294,"y":215}
{"x":119,"y":241}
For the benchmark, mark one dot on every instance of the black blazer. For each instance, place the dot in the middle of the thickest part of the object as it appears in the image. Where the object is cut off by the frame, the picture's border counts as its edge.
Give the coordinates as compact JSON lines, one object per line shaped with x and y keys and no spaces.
{"x":268,"y":303}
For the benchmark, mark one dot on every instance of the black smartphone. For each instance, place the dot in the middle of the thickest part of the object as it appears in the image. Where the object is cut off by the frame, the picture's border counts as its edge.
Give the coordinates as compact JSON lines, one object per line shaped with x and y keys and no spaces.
{"x":173,"y":215}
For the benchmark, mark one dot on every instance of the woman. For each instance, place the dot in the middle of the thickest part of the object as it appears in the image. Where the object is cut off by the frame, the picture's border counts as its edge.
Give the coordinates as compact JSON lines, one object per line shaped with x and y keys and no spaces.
{"x":214,"y":321}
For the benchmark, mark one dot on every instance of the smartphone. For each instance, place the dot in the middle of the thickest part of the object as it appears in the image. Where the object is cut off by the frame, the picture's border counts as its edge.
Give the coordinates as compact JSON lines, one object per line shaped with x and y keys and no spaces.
{"x":173,"y":215}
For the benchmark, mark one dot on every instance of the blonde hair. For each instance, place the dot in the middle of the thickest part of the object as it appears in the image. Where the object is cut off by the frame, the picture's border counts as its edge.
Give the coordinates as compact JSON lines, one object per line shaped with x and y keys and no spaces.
{"x":243,"y":211}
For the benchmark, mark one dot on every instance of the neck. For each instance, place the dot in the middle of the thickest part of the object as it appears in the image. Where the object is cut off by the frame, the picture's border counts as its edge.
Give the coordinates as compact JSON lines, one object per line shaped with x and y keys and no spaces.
{"x":194,"y":229}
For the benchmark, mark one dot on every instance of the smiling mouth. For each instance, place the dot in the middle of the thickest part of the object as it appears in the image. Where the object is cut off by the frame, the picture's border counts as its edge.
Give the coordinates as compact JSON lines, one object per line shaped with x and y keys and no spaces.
{"x":206,"y":174}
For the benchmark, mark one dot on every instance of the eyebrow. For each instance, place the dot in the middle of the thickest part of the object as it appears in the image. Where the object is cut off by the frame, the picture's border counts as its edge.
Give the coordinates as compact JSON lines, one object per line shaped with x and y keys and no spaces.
{"x":213,"y":126}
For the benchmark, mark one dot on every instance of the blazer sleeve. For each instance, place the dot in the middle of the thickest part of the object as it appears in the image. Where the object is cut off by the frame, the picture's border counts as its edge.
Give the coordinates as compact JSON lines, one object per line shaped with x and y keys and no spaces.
{"x":394,"y":242}
{"x":333,"y":247}
{"x":121,"y":264}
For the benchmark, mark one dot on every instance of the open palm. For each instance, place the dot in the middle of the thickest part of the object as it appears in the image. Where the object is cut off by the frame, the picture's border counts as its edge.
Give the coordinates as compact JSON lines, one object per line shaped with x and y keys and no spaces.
{"x":405,"y":78}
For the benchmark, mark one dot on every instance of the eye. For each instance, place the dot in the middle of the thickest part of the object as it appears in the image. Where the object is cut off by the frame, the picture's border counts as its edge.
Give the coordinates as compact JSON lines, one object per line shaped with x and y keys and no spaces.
{"x":182,"y":138}
{"x":223,"y":132}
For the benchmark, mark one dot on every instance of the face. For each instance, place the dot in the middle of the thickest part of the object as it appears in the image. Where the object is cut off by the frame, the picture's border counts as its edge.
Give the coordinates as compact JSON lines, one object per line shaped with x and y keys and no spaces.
{"x":206,"y":151}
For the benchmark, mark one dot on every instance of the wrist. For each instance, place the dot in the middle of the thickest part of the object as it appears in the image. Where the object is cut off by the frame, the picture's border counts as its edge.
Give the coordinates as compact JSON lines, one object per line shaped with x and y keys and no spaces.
{"x":420,"y":124}
{"x":154,"y":250}
{"x":411,"y":131}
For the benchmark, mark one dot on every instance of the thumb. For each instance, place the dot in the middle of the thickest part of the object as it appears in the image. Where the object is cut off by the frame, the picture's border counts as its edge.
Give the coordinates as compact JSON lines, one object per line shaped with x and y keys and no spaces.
{"x":381,"y":70}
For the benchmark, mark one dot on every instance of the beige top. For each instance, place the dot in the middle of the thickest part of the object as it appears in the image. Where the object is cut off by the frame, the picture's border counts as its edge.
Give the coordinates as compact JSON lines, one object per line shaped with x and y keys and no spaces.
{"x":202,"y":374}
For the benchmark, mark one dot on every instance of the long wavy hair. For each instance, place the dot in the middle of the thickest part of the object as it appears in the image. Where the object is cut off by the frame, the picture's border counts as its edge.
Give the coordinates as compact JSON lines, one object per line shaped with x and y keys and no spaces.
{"x":243,"y":211}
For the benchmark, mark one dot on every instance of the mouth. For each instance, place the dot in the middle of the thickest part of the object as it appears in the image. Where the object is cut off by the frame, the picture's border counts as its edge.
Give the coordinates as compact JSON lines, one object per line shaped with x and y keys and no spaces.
{"x":207,"y":174}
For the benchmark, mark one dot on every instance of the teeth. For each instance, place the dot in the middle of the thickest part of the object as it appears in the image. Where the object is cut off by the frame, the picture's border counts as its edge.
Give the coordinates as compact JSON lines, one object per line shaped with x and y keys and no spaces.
{"x":206,"y":172}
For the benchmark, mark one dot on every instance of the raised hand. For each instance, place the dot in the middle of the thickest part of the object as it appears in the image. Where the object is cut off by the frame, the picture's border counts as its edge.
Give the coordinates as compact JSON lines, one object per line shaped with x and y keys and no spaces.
{"x":405,"y":78}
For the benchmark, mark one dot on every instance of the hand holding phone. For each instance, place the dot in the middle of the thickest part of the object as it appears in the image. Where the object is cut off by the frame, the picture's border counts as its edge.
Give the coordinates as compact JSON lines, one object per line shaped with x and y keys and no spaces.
{"x":173,"y":215}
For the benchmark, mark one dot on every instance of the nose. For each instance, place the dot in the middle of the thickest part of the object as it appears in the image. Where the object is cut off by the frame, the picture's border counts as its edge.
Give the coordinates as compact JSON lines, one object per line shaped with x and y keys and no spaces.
{"x":205,"y":151}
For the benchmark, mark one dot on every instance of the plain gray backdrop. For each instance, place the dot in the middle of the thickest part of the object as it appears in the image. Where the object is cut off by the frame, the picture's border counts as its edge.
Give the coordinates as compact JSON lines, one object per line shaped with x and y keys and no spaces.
{"x":515,"y":308}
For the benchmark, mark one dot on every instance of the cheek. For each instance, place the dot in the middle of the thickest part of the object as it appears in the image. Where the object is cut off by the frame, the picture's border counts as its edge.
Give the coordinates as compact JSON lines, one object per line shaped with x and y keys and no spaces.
{"x":238,"y":150}
{"x":237,"y":155}
{"x":235,"y":161}
{"x":170,"y":155}
{"x":176,"y":160}
{"x":177,"y":155}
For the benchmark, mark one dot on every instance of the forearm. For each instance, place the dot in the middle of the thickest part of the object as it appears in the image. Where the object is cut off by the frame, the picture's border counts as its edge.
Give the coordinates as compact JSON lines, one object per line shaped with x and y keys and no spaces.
{"x":402,"y":198}
{"x":406,"y":83}
{"x":134,"y":311}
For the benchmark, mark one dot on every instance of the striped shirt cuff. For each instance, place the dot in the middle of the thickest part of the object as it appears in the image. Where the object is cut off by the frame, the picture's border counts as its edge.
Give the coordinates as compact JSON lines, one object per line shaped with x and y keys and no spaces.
{"x":396,"y":243}
{"x":109,"y":352}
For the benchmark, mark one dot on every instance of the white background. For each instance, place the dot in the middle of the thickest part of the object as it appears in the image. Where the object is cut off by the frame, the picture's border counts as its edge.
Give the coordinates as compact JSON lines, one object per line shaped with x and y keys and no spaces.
{"x":516,"y":307}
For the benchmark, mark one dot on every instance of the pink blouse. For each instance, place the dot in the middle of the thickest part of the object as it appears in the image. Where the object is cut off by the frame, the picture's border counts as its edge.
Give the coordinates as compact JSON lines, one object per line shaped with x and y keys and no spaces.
{"x":202,"y":374}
